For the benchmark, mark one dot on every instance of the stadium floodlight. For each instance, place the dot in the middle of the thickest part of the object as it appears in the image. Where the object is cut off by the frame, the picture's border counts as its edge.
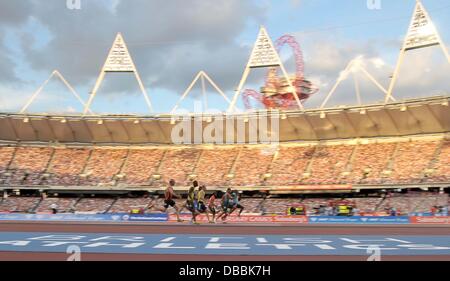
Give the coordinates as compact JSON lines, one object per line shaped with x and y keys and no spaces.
{"x":26,"y":120}
{"x":403,"y":108}
{"x":63,"y":121}
{"x":203,"y":77}
{"x":445,"y":103}
{"x":56,"y":74}
{"x":422,"y":33}
{"x":323,"y":115}
{"x":100,"y":122}
{"x":283,"y":116}
{"x":136,"y":121}
{"x":354,"y":67}
{"x":363,"y":112}
{"x":119,"y":60}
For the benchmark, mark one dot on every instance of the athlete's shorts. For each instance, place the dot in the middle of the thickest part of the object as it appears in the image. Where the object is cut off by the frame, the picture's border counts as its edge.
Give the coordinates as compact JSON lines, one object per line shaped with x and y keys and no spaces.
{"x":212,"y":209}
{"x":168,"y":203}
{"x":225,"y":208}
{"x":201,"y":207}
{"x":191,"y":206}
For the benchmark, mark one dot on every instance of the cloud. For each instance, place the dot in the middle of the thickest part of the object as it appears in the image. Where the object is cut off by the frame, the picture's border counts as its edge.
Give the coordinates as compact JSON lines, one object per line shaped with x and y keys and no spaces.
{"x":167,"y":53}
{"x":14,"y":12}
{"x":172,"y":40}
{"x":424,"y":72}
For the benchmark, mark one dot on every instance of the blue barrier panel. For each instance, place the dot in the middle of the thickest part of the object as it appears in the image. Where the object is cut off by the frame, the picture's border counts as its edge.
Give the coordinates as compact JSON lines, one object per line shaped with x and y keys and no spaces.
{"x":146,"y":217}
{"x":358,"y":220}
{"x":83,"y":217}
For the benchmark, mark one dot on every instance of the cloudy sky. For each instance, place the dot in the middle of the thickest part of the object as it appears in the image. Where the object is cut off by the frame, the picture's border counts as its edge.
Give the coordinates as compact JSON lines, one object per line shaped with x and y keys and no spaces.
{"x":171,"y":40}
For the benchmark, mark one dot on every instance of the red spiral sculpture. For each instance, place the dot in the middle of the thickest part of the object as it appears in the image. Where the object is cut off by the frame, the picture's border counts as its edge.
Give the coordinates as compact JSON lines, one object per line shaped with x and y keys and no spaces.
{"x":286,"y":100}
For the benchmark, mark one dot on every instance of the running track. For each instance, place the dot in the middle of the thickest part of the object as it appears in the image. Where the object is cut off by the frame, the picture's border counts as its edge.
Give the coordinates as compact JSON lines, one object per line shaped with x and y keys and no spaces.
{"x":438,"y":236}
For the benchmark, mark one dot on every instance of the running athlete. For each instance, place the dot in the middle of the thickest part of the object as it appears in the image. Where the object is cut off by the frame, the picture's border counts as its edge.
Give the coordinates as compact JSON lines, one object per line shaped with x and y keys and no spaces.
{"x":201,"y":202}
{"x":235,"y":204}
{"x":169,"y":194}
{"x":191,"y":202}
{"x":225,"y":205}
{"x":212,"y":206}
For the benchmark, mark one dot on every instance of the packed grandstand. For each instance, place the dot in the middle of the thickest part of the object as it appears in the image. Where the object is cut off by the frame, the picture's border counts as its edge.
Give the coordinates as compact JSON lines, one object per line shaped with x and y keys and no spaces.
{"x":373,"y":176}
{"x":390,"y":158}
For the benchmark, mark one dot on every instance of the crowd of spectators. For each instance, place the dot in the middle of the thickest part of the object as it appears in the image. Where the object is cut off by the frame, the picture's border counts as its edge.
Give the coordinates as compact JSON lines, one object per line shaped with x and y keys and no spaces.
{"x":373,"y":163}
{"x":388,"y":204}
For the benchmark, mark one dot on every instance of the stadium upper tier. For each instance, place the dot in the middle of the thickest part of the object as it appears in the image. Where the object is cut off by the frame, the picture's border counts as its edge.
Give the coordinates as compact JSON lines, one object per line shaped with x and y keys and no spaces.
{"x":409,"y":117}
{"x":379,"y":161}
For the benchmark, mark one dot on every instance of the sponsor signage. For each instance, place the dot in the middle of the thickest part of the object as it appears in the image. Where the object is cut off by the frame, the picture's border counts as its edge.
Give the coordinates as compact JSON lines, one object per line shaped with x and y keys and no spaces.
{"x":83,"y":217}
{"x":358,"y":220}
{"x":246,"y":219}
{"x":430,"y":220}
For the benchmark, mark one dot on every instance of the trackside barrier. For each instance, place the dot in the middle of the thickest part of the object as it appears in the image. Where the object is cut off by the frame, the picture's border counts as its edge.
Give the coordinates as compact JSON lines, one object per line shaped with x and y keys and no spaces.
{"x":429,"y":220}
{"x":123,"y":217}
{"x":246,"y":219}
{"x":358,"y":220}
{"x":84,"y":217}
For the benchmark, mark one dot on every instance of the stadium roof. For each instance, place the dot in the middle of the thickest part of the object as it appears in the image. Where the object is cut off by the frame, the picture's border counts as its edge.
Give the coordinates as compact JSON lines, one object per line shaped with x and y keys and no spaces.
{"x":409,"y":117}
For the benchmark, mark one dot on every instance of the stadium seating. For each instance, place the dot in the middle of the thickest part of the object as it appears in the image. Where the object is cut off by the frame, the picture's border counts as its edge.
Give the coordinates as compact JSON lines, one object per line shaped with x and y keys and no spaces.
{"x":289,"y":164}
{"x":102,"y":166}
{"x":277,"y":206}
{"x":328,"y":164}
{"x":6,"y":156}
{"x":251,"y":165}
{"x":367,"y":204}
{"x":125,"y":205}
{"x":94,"y":205}
{"x":214,"y":165}
{"x":66,"y":167}
{"x":240,"y":166}
{"x":19,"y":204}
{"x":369,"y":161}
{"x":141,"y":164}
{"x":251,"y":205}
{"x":178,"y":164}
{"x":412,"y":202}
{"x":64,"y":205}
{"x":410,"y":161}
{"x":441,"y":165}
{"x":28,"y":165}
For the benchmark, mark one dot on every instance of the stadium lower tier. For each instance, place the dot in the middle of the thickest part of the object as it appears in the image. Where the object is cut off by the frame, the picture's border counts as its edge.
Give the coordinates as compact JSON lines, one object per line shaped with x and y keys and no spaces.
{"x":383,"y":204}
{"x":401,"y":162}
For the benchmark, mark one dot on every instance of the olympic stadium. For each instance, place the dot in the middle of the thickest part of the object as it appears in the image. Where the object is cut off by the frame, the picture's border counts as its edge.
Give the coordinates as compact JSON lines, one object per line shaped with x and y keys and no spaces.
{"x":327,"y":183}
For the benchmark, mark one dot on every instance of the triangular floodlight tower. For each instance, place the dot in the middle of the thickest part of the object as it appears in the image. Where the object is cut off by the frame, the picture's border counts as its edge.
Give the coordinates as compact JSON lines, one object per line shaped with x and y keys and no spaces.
{"x":421,"y":34}
{"x":202,"y":76}
{"x":57,"y":74}
{"x":352,"y":68}
{"x":264,"y":55}
{"x":119,"y":60}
